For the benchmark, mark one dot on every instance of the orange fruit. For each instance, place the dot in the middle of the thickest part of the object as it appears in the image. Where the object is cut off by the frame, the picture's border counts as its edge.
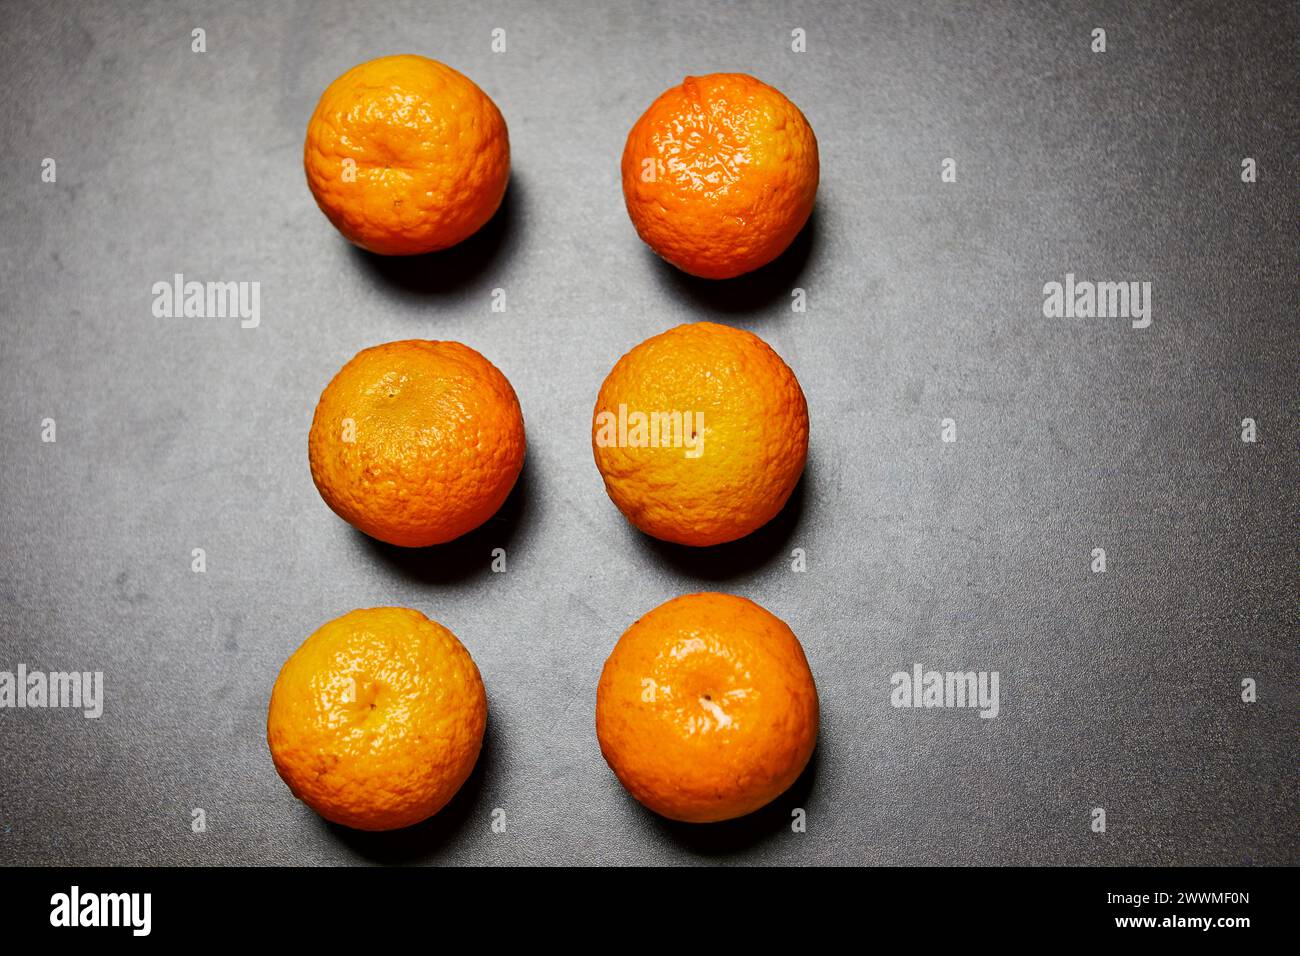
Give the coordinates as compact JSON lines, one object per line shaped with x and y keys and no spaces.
{"x":720,"y":174}
{"x":701,"y":434}
{"x":377,"y":719}
{"x":405,"y":155}
{"x":706,"y":709}
{"x":415,"y":442}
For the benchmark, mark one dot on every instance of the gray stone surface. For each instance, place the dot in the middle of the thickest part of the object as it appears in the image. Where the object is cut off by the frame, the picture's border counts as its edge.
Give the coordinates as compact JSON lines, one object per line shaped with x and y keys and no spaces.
{"x":1119,"y":690}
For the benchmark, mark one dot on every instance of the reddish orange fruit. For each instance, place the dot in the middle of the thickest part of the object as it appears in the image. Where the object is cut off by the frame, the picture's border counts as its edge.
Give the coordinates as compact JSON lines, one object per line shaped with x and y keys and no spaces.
{"x":720,"y":174}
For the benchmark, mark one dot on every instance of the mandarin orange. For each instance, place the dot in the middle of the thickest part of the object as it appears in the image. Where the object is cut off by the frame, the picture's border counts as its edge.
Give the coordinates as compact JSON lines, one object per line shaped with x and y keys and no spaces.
{"x":701,"y":434}
{"x":416,"y":442}
{"x":706,"y":709}
{"x":377,"y":719}
{"x":720,"y":174}
{"x":405,"y":155}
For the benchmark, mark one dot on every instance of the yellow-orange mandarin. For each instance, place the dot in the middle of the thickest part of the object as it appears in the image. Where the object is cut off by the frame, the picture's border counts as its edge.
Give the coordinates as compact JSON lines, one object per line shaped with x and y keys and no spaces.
{"x":700,"y":434}
{"x":377,"y":719}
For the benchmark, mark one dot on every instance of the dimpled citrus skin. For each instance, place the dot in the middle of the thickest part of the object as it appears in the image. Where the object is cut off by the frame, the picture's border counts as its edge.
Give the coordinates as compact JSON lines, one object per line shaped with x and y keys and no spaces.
{"x":735,"y":174}
{"x":431,"y":154}
{"x":377,"y":719}
{"x":706,"y":709}
{"x":755,"y":434}
{"x":439,"y":441}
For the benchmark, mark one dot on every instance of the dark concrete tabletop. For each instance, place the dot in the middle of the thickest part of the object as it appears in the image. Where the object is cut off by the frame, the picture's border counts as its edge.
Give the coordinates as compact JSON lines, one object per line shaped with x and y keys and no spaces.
{"x":1120,"y":690}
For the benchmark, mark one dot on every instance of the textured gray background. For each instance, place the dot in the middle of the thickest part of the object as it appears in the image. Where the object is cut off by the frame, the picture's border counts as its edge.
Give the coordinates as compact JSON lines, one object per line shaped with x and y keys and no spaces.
{"x":1119,"y":690}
